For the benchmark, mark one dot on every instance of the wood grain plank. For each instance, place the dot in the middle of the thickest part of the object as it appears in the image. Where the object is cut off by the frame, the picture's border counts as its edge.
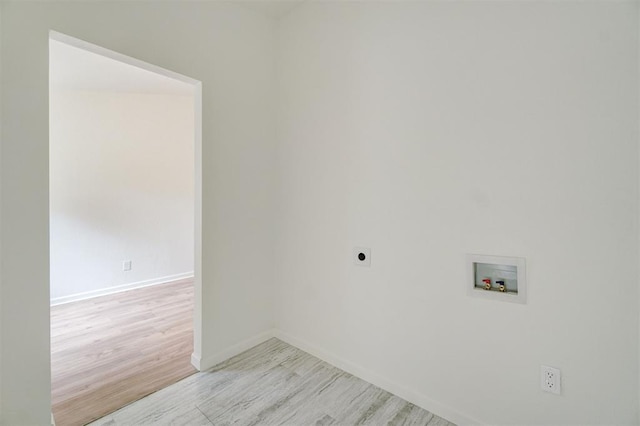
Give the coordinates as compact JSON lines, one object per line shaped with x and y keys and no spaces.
{"x":269,"y":385}
{"x":112,"y":350}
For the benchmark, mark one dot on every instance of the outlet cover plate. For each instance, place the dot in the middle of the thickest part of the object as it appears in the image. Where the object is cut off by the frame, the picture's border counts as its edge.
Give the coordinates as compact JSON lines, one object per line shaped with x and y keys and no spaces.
{"x":550,"y":379}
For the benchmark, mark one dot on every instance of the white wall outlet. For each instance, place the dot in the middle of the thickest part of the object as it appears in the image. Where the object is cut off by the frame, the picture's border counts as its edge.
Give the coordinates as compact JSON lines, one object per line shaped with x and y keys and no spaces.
{"x":362,"y":256}
{"x":550,"y":379}
{"x":126,"y":265}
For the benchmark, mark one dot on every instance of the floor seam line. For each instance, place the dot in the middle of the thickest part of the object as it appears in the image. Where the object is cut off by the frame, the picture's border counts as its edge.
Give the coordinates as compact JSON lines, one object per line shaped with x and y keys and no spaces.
{"x":201,"y":412}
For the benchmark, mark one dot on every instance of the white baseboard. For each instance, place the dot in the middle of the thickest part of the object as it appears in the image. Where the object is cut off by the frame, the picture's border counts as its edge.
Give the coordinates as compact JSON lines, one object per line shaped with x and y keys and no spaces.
{"x":205,"y":363}
{"x":119,"y":288}
{"x":196,"y":361}
{"x":382,"y":382}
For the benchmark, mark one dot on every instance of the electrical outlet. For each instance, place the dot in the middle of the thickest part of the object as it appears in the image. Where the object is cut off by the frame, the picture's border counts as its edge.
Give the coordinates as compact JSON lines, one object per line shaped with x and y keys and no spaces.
{"x":126,"y":265}
{"x":550,"y":379}
{"x":362,"y":256}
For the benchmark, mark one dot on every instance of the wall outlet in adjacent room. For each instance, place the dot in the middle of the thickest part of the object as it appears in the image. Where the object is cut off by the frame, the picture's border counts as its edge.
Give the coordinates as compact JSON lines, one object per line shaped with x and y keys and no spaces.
{"x":126,"y":265}
{"x":550,"y":379}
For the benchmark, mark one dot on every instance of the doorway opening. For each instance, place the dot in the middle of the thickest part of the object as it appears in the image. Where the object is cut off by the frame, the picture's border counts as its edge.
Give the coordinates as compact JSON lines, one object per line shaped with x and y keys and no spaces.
{"x":125,"y":228}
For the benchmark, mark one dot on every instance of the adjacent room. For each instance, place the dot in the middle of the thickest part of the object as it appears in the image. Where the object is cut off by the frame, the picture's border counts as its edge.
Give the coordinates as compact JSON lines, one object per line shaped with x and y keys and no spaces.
{"x":121,"y":166}
{"x":405,"y":212}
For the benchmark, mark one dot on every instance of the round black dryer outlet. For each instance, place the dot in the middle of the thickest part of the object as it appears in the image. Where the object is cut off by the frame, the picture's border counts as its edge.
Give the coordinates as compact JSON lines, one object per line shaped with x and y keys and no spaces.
{"x":361,"y":255}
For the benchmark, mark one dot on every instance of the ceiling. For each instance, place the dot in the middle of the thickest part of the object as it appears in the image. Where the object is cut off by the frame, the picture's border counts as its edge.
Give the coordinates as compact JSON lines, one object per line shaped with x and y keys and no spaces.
{"x":73,"y":68}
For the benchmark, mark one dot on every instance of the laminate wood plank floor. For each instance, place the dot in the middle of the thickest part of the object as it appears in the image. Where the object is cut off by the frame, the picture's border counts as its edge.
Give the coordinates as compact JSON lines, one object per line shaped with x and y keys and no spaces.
{"x":272,"y":384}
{"x":109,"y":351}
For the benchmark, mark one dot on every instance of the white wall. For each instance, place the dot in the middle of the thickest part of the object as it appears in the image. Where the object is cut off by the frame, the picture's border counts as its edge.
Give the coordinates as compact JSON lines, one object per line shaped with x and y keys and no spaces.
{"x":429,"y":130}
{"x":121,"y":188}
{"x":229,"y":49}
{"x":1,"y":257}
{"x":386,"y":112}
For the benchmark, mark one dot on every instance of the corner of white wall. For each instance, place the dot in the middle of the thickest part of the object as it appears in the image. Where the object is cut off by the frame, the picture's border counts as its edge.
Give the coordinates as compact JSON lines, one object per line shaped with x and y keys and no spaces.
{"x":210,"y":361}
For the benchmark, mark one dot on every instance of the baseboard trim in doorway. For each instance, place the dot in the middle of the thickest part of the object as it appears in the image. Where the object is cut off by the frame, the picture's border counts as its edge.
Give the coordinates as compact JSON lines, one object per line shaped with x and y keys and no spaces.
{"x":211,"y":361}
{"x":120,"y":288}
{"x":403,"y":392}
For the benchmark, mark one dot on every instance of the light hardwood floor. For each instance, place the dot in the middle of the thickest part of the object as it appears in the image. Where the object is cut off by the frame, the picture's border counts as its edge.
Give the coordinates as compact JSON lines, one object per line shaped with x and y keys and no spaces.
{"x":272,"y":384}
{"x":109,"y":351}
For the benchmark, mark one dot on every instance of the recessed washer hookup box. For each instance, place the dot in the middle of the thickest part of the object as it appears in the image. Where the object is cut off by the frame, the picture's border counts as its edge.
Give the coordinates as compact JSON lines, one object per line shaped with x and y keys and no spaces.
{"x":497,"y":278}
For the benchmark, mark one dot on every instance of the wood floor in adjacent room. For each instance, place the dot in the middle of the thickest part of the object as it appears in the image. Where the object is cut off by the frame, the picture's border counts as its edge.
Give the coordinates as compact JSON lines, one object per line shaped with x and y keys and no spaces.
{"x":272,"y":384}
{"x":109,"y":351}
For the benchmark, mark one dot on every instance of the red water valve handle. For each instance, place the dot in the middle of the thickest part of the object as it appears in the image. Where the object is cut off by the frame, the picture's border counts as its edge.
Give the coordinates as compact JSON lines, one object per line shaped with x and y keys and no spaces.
{"x":487,"y":283}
